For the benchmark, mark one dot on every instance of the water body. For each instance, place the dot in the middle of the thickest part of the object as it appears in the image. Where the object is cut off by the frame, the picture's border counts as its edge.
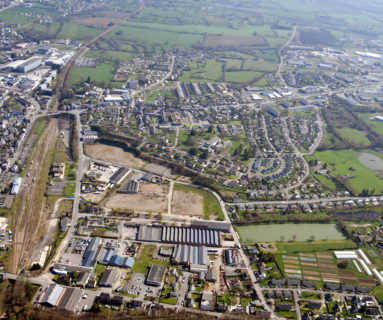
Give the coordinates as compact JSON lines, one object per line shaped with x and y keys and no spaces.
{"x":302,"y":231}
{"x":371,"y":161}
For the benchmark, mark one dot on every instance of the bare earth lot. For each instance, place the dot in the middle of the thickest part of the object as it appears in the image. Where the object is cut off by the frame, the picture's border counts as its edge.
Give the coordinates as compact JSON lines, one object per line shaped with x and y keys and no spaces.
{"x":187,"y":203}
{"x":112,"y":154}
{"x":144,"y":201}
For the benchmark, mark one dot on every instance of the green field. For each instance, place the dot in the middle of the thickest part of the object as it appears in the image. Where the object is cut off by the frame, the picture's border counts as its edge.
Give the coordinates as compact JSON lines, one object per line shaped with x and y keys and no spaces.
{"x":377,"y":126}
{"x":103,"y":72}
{"x":210,"y":203}
{"x":145,"y":259}
{"x":355,"y":136}
{"x":74,"y":31}
{"x":211,"y":71}
{"x":108,"y":54}
{"x":153,"y":36}
{"x":365,"y":178}
{"x":242,"y":76}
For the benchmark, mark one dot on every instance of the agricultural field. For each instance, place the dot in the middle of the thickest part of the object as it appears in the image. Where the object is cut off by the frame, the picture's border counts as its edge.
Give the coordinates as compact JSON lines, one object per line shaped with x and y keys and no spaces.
{"x":74,"y":31}
{"x":346,"y":162}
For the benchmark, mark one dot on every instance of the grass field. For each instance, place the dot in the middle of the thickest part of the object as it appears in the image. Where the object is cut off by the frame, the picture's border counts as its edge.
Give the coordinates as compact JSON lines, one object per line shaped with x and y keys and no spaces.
{"x":377,"y":126}
{"x":70,"y":189}
{"x":210,"y":203}
{"x":145,"y":259}
{"x":103,"y":72}
{"x":74,"y":31}
{"x":211,"y":71}
{"x":242,"y":76}
{"x":365,"y":178}
{"x":355,"y":136}
{"x":108,"y":54}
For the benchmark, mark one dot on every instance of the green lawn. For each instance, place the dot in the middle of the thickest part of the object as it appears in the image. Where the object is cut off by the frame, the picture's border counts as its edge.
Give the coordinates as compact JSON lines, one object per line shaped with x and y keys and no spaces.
{"x":99,"y":270}
{"x":355,"y":136}
{"x":210,"y":203}
{"x":142,"y":263}
{"x":70,"y":189}
{"x":103,"y":72}
{"x":365,"y":178}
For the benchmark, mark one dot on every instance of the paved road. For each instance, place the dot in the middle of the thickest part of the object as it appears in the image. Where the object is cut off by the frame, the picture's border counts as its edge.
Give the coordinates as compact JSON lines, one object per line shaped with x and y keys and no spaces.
{"x":281,"y":57}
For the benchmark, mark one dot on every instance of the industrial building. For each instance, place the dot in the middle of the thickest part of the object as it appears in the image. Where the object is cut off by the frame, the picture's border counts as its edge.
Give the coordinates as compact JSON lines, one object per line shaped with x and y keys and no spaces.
{"x":89,"y":258}
{"x":231,"y":257}
{"x":108,"y":278}
{"x":130,"y":187}
{"x":155,"y":275}
{"x":120,"y":175}
{"x":180,"y":235}
{"x":113,"y":259}
{"x":29,"y":64}
{"x":60,"y":297}
{"x":16,"y":185}
{"x":220,"y":226}
{"x":187,"y":255}
{"x":89,"y":135}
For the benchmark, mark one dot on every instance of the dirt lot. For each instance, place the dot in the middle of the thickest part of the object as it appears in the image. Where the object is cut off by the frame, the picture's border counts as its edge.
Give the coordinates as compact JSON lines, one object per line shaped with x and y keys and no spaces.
{"x":113,"y":154}
{"x":144,"y":201}
{"x":187,"y":203}
{"x":228,"y":41}
{"x":158,"y":169}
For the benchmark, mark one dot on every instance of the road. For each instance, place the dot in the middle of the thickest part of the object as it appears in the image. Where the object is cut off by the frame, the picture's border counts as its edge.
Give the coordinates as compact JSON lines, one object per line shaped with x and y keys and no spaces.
{"x":281,"y":57}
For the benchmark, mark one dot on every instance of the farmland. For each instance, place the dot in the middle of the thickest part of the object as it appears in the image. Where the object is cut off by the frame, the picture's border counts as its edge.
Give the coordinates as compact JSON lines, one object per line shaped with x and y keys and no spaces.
{"x":356,"y":136}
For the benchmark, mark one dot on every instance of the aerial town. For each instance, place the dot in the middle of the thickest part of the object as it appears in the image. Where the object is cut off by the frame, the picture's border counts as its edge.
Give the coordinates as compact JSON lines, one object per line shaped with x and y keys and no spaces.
{"x":158,"y":164}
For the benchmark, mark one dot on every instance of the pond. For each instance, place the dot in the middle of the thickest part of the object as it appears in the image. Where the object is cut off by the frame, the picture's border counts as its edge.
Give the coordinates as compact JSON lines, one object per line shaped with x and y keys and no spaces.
{"x":286,"y":232}
{"x":371,"y":161}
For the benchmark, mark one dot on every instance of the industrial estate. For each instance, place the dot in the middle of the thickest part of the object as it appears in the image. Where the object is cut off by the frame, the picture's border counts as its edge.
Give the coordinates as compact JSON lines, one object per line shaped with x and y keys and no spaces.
{"x":191,"y":159}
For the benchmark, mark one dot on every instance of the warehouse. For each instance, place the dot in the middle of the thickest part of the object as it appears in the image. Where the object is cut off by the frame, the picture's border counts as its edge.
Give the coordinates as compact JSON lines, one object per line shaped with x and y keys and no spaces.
{"x":192,"y":236}
{"x":16,"y":185}
{"x":149,"y":233}
{"x":180,"y":235}
{"x":220,"y":226}
{"x":60,"y":297}
{"x":187,"y":255}
{"x":130,"y":187}
{"x":29,"y":64}
{"x":119,"y":175}
{"x":108,"y":278}
{"x":231,"y":257}
{"x":155,"y":275}
{"x":89,"y":258}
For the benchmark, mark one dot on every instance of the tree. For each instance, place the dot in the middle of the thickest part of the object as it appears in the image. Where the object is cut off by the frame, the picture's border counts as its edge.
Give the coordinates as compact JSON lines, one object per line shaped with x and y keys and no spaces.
{"x":343,"y":264}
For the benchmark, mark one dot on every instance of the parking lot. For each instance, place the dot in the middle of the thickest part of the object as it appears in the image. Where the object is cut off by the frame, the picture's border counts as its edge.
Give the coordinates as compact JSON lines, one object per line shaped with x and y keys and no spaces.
{"x":74,"y":252}
{"x":137,"y":286}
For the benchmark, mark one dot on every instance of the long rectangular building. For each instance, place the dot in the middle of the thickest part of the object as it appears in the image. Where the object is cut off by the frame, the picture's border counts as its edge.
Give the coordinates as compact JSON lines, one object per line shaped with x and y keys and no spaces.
{"x":180,"y":235}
